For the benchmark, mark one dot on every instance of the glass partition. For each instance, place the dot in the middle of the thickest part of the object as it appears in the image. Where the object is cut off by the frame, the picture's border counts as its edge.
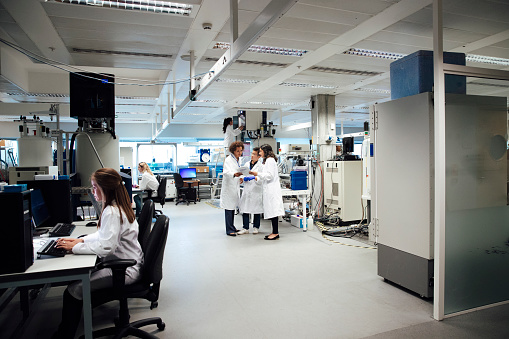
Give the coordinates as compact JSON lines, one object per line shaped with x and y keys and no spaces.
{"x":477,"y":215}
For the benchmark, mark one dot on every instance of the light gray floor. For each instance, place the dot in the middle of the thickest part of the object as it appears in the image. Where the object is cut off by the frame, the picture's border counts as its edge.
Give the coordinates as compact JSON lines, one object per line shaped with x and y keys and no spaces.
{"x":300,"y":286}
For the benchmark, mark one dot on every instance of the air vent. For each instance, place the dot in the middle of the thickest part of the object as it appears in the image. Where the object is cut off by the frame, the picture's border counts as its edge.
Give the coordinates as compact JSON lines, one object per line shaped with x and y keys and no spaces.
{"x":106,"y":52}
{"x":301,"y":85}
{"x":343,"y":71}
{"x":250,"y":62}
{"x":135,"y":98}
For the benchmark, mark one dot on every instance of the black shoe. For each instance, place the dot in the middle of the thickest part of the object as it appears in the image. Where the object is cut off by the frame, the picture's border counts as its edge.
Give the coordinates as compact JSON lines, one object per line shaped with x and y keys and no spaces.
{"x":267,"y":237}
{"x":232,"y":234}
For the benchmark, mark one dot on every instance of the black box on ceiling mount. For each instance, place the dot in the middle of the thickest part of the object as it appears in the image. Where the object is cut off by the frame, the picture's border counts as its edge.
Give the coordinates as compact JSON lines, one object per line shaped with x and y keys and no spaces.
{"x":92,"y":95}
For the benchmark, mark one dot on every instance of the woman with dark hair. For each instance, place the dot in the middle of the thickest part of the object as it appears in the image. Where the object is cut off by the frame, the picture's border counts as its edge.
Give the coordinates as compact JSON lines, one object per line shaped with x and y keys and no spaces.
{"x":229,"y":133}
{"x":116,"y":238}
{"x":230,"y":189}
{"x":271,"y":189}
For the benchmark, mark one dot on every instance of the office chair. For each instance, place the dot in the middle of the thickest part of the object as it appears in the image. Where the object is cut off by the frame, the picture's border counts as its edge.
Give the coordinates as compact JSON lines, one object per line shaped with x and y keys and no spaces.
{"x":161,"y":196}
{"x":147,"y":287}
{"x":183,"y":191}
{"x":144,"y":222}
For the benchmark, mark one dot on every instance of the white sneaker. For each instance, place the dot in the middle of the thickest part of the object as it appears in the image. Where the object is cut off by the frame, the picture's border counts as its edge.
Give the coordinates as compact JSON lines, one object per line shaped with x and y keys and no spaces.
{"x":243,"y":231}
{"x":255,"y":230}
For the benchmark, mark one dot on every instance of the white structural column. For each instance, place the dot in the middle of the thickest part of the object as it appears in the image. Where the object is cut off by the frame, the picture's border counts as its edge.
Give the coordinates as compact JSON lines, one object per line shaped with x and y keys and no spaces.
{"x":439,"y":141}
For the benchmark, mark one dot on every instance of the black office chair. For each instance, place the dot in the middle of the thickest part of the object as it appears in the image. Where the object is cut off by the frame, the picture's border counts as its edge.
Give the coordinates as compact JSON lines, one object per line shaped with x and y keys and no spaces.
{"x":144,"y":222}
{"x":146,"y":288}
{"x":161,"y":196}
{"x":183,"y":191}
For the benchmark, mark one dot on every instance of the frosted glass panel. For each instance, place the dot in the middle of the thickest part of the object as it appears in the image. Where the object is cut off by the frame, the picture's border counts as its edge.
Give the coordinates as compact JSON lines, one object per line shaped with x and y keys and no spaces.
{"x":477,"y":215}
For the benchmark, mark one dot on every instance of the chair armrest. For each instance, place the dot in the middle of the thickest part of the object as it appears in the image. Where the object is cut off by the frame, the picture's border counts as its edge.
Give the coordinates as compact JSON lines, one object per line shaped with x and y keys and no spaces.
{"x":149,"y":192}
{"x":121,"y":264}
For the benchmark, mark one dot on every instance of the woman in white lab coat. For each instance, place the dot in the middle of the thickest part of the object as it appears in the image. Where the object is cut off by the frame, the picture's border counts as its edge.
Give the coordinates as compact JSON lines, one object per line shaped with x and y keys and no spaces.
{"x":148,"y":182}
{"x":229,"y":133}
{"x":271,"y":189}
{"x":230,"y":189}
{"x":251,"y":199}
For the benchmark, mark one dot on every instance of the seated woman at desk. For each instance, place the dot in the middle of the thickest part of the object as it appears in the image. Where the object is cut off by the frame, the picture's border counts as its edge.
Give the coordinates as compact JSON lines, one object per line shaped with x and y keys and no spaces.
{"x":148,"y":182}
{"x":116,"y":238}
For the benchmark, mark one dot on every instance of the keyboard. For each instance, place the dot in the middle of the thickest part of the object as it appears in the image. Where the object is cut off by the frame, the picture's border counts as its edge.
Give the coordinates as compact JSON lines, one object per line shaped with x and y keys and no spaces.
{"x":61,"y":230}
{"x":50,"y":249}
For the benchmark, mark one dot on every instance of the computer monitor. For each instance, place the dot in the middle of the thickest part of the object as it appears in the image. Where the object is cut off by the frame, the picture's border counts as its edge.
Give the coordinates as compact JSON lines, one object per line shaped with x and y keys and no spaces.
{"x":347,"y":145}
{"x":40,"y":213}
{"x":187,"y":173}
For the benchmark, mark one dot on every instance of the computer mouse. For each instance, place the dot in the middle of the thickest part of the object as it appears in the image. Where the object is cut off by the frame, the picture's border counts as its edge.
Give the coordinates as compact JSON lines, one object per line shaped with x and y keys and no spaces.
{"x":92,"y":223}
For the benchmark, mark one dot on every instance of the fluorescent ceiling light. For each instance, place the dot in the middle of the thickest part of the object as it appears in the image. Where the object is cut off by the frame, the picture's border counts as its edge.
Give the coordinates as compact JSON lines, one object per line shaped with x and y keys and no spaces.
{"x":294,"y":84}
{"x":395,"y":56}
{"x":136,"y":5}
{"x":373,"y":90}
{"x":343,"y":71}
{"x":108,"y":52}
{"x":374,"y":54}
{"x":487,"y":60}
{"x":266,"y":49}
{"x":269,"y":103}
{"x":238,"y":81}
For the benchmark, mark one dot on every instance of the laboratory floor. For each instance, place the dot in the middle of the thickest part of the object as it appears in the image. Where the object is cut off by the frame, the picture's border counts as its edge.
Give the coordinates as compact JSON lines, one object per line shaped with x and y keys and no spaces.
{"x":300,"y":286}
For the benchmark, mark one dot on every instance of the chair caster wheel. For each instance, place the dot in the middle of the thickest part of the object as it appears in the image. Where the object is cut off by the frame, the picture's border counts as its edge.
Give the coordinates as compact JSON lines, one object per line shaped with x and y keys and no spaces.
{"x":161,"y":326}
{"x":154,"y":305}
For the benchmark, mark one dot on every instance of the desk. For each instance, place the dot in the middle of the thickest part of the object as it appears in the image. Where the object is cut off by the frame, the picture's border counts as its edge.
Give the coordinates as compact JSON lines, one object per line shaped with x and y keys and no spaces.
{"x":49,"y":270}
{"x":141,"y":193}
{"x":302,"y":195}
{"x":194,"y":182}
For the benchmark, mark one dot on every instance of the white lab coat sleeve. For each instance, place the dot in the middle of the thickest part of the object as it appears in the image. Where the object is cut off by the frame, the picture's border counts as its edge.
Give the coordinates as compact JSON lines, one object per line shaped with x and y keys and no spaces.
{"x":106,"y":239}
{"x":144,"y":181}
{"x":236,"y":131}
{"x":230,"y":167}
{"x":269,"y":172}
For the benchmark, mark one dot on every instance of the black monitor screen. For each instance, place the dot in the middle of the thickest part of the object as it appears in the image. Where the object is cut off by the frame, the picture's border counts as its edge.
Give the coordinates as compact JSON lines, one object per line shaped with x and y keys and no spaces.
{"x":39,"y":210}
{"x":348,"y":145}
{"x":187,"y":173}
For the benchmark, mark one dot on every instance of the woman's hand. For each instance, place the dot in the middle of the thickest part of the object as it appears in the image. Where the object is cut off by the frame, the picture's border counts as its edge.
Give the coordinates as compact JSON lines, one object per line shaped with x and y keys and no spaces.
{"x":253,"y":173}
{"x":67,"y":243}
{"x":238,"y":174}
{"x":241,"y":127}
{"x":241,"y":180}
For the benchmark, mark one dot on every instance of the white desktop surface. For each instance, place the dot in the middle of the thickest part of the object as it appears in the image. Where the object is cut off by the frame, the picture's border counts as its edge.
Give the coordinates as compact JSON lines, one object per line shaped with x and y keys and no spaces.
{"x":57,"y":269}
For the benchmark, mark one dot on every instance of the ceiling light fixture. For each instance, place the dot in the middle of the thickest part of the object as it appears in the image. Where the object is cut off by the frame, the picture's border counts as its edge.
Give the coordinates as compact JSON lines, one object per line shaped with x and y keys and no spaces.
{"x":269,"y":103}
{"x":395,"y":56}
{"x":294,"y":84}
{"x":265,"y":49}
{"x":374,"y":54}
{"x":373,"y":90}
{"x":137,"y":5}
{"x":343,"y":71}
{"x":250,"y":62}
{"x":487,"y":60}
{"x":238,"y":81}
{"x":107,"y":52}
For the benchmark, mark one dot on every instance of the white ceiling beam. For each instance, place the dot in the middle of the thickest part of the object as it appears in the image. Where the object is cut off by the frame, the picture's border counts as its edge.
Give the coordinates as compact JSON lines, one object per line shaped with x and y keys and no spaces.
{"x":32,"y":18}
{"x":488,"y":41}
{"x":267,"y":17}
{"x":386,"y":18}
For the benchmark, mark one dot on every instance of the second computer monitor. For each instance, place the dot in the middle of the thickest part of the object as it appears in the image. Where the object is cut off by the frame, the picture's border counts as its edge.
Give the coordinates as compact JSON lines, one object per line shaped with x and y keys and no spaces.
{"x":188,"y":173}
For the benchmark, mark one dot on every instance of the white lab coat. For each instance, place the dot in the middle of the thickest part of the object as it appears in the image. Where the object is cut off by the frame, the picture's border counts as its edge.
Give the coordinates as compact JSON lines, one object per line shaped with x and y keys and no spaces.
{"x":229,"y":135}
{"x":230,"y":188}
{"x":149,"y":182}
{"x":251,"y":199}
{"x":271,"y":190}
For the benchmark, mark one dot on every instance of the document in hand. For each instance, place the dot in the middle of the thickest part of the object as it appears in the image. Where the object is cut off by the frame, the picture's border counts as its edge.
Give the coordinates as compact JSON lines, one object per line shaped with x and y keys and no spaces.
{"x":244,"y":169}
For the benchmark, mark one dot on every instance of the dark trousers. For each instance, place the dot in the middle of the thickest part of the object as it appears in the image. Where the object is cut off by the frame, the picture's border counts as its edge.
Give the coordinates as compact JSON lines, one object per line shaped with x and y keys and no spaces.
{"x":256,"y":220}
{"x":274,"y":222}
{"x":71,"y":316}
{"x":137,"y":201}
{"x":228,"y":220}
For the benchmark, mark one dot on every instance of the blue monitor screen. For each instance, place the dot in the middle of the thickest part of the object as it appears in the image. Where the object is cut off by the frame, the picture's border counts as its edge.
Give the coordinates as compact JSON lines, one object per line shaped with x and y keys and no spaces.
{"x":187,"y":173}
{"x":39,"y":210}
